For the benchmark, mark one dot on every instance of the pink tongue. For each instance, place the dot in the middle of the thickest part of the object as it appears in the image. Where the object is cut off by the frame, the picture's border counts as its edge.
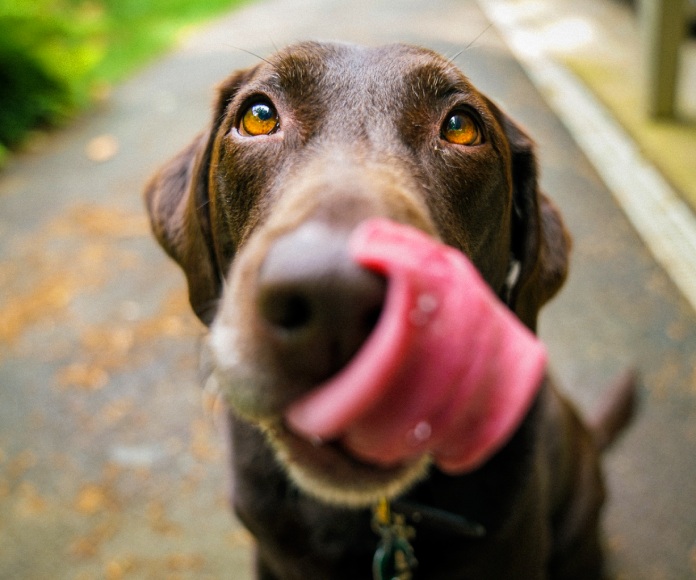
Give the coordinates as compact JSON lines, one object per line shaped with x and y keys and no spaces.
{"x":448,"y":370}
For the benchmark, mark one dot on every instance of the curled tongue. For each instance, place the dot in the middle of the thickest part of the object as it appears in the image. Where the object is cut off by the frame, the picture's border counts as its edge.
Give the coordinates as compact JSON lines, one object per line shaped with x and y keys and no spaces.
{"x":448,"y":370}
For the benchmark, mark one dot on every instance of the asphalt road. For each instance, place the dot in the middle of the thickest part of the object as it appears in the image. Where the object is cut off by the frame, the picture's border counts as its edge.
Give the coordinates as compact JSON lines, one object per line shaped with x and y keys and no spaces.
{"x":111,"y":461}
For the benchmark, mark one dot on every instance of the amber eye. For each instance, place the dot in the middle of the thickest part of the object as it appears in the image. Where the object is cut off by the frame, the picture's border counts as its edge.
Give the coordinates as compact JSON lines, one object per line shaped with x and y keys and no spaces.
{"x":461,"y":129}
{"x":259,"y":119}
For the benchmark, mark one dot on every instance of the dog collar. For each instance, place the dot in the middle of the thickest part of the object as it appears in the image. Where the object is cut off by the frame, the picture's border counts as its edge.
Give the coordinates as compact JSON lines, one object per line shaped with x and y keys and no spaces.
{"x":511,"y":279}
{"x":394,"y":557}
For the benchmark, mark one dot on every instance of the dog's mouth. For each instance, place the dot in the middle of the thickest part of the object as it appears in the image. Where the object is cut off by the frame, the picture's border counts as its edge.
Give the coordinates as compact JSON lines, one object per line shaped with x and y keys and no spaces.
{"x":448,"y":370}
{"x":326,"y":470}
{"x":447,"y":373}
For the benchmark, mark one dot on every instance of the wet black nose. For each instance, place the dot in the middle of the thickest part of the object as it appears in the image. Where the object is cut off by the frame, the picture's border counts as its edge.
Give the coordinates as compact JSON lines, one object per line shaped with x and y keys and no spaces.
{"x":317,"y":305}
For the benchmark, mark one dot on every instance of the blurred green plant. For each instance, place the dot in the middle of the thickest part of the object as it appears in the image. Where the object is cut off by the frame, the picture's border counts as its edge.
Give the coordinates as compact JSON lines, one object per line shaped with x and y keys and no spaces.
{"x":56,"y":56}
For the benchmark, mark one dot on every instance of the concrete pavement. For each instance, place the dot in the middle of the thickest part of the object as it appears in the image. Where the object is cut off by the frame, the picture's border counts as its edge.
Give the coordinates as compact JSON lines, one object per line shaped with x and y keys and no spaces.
{"x":111,"y":461}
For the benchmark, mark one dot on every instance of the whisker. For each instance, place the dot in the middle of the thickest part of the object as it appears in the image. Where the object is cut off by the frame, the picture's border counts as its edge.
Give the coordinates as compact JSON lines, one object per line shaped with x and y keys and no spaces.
{"x":468,"y":46}
{"x":249,"y":52}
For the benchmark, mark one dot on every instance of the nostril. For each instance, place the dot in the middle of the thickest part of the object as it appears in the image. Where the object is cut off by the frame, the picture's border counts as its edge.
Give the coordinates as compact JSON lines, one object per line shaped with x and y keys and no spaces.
{"x":315,"y":305}
{"x":286,"y":310}
{"x":371,"y":317}
{"x":292,"y":311}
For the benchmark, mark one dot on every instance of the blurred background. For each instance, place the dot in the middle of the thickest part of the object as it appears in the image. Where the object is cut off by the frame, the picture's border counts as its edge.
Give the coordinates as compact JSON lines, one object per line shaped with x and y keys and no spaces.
{"x":112,"y":453}
{"x":61,"y":56}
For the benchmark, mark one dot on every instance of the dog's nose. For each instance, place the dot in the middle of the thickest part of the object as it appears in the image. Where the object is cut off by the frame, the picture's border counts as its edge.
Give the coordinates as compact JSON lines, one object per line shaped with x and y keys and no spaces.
{"x":316,"y":305}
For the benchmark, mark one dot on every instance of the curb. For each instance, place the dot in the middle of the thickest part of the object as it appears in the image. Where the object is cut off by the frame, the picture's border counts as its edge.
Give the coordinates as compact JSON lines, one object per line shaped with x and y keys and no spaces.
{"x":662,"y":219}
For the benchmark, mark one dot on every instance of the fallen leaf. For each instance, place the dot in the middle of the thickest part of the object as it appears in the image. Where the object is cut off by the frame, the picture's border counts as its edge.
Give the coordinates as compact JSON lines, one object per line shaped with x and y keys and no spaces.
{"x":102,"y":148}
{"x":92,"y":499}
{"x":50,"y":296}
{"x":84,"y":547}
{"x":184,"y":562}
{"x":82,"y":376}
{"x":117,"y":341}
{"x":98,"y":221}
{"x":31,"y":503}
{"x":88,"y":546}
{"x":117,"y":410}
{"x":203,"y":445}
{"x":240,"y":538}
{"x":160,"y":522}
{"x":114,"y":570}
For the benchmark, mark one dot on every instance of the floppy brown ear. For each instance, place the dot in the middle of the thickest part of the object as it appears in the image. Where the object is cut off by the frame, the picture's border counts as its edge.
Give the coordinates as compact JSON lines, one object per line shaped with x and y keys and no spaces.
{"x":177,"y":199}
{"x":540,"y":242}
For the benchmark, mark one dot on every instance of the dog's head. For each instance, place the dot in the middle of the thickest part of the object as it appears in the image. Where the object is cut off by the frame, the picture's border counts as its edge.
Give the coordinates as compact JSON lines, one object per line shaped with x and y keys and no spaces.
{"x":301,"y":149}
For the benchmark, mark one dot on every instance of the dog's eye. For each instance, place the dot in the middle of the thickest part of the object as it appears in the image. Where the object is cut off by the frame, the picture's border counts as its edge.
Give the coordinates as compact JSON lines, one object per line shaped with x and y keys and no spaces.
{"x":461,"y":129}
{"x":259,"y":119}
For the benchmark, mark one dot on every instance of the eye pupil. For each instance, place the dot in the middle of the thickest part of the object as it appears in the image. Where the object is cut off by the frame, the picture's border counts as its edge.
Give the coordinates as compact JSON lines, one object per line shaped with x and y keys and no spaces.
{"x":259,"y":119}
{"x":263,"y":112}
{"x":456,"y":122}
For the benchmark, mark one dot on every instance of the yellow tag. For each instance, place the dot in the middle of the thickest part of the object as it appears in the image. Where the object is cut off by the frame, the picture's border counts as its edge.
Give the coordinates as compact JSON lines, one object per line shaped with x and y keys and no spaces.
{"x":382,"y":512}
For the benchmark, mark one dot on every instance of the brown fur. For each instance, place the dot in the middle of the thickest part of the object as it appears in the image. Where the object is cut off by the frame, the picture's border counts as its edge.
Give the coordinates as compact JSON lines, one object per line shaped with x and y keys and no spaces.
{"x":360,"y":137}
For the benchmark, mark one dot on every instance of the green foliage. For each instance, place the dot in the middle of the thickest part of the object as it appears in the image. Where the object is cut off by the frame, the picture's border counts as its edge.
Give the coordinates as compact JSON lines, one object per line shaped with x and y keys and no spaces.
{"x":45,"y":57}
{"x":55,"y":54}
{"x":139,"y":29}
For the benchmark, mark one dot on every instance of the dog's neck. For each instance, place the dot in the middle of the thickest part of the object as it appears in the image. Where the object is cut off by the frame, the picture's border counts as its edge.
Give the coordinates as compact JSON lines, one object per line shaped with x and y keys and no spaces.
{"x":443,"y":521}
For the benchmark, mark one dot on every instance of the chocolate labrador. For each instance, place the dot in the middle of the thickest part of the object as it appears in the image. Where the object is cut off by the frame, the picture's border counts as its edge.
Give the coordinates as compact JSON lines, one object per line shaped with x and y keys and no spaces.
{"x":257,"y":211}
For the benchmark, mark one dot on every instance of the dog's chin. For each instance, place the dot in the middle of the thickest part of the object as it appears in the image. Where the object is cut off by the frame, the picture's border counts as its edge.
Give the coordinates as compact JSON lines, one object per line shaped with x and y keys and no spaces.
{"x":331,"y":475}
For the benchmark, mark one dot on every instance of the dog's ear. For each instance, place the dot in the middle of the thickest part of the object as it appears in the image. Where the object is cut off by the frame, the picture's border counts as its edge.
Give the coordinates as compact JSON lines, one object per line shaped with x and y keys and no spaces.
{"x":177,"y":199}
{"x":540,"y":242}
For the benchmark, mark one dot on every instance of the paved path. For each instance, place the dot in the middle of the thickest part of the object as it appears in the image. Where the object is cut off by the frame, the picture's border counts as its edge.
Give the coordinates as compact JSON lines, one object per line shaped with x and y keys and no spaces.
{"x":111,"y":464}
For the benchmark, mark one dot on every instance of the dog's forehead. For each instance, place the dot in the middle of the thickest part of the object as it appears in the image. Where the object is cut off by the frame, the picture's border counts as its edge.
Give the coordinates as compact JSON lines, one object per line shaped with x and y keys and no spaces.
{"x":388,"y":69}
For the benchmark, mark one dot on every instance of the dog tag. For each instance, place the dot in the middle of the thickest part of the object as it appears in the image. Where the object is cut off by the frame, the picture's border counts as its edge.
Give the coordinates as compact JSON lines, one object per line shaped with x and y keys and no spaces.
{"x":394,"y":558}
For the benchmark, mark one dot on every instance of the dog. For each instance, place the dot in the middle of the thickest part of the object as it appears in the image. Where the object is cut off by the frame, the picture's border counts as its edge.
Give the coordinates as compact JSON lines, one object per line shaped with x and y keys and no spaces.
{"x":301,"y":149}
